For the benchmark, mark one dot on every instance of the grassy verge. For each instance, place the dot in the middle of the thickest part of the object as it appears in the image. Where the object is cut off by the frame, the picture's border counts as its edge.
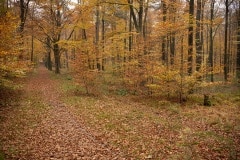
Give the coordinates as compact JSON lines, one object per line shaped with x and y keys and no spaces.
{"x":149,"y":128}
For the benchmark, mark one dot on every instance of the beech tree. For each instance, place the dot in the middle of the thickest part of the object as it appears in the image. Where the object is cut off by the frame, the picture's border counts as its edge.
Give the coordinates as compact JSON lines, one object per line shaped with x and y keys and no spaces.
{"x":51,"y":24}
{"x":238,"y":40}
{"x":147,"y":45}
{"x":227,"y":4}
{"x":190,"y":37}
{"x":211,"y":38}
{"x":23,"y":13}
{"x":10,"y":64}
{"x":164,"y":42}
{"x":199,"y":37}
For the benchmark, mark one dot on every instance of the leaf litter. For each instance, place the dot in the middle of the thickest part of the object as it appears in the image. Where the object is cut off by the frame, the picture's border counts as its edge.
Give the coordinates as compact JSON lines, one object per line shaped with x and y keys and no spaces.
{"x":43,"y":127}
{"x":50,"y":123}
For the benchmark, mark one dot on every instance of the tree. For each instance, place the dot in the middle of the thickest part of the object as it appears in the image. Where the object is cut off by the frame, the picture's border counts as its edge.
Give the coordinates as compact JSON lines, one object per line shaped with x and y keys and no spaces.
{"x":23,"y":13}
{"x":56,"y":38}
{"x":125,"y":37}
{"x":227,"y":3}
{"x":137,"y":18}
{"x":10,"y":67}
{"x":48,"y":60}
{"x":211,"y":39}
{"x":199,"y":41}
{"x":238,"y":40}
{"x":97,"y":32}
{"x":51,"y":24}
{"x":190,"y":37}
{"x":172,"y":39}
{"x":164,"y":41}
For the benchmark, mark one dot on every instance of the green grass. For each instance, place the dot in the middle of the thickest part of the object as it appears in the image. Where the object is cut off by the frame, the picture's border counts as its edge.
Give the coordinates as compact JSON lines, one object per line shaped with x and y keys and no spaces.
{"x":2,"y":156}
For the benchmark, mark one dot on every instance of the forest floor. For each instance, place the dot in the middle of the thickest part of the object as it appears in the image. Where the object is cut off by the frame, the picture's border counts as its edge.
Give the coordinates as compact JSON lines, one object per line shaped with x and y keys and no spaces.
{"x":48,"y":119}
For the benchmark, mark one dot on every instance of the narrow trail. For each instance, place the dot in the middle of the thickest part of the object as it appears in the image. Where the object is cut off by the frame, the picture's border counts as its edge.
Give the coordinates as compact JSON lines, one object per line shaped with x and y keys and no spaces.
{"x":60,"y":134}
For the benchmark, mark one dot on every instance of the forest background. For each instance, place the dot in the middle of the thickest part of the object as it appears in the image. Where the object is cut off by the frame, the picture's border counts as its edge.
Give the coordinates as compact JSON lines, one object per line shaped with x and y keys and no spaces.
{"x":159,"y":48}
{"x":136,"y":75}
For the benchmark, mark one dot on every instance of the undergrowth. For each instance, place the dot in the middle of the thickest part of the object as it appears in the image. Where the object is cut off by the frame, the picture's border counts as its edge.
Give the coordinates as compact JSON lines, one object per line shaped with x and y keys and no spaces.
{"x":161,"y":128}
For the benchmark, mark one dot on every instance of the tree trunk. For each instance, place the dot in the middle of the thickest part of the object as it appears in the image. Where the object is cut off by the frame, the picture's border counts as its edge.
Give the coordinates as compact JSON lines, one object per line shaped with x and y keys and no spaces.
{"x":56,"y":51}
{"x":48,"y":49}
{"x":32,"y":37}
{"x":226,"y":55}
{"x":133,"y":15}
{"x":22,"y":15}
{"x":145,"y":21}
{"x":211,"y":39}
{"x":181,"y":72}
{"x":202,"y":33}
{"x":97,"y":25}
{"x":229,"y":45}
{"x":172,"y":10}
{"x":140,"y":16}
{"x":32,"y":48}
{"x":49,"y":61}
{"x":190,"y":37}
{"x":238,"y":42}
{"x":56,"y":38}
{"x":172,"y":48}
{"x":199,"y":48}
{"x":164,"y":41}
{"x":103,"y":40}
{"x":206,"y":100}
{"x":130,"y":30}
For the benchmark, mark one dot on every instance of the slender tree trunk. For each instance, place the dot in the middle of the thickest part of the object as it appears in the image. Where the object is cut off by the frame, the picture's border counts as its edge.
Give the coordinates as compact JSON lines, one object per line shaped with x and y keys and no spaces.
{"x":238,"y":42}
{"x":172,"y":48}
{"x":84,"y":34}
{"x":130,"y":30}
{"x":202,"y":31}
{"x":56,"y":48}
{"x":172,"y":10}
{"x":190,"y":37}
{"x":66,"y":56}
{"x":145,"y":27}
{"x":130,"y":2}
{"x":164,"y":41}
{"x":23,"y":14}
{"x":97,"y":25}
{"x":199,"y":48}
{"x":181,"y":72}
{"x":32,"y":48}
{"x":103,"y":40}
{"x":32,"y":37}
{"x":226,"y":55}
{"x":220,"y":52}
{"x":49,"y":61}
{"x":56,"y":51}
{"x":211,"y":39}
{"x":140,"y":16}
{"x":145,"y":21}
{"x":229,"y":45}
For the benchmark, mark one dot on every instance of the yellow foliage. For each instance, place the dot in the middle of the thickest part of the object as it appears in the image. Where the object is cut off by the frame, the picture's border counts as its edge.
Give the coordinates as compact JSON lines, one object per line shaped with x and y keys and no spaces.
{"x":10,"y":66}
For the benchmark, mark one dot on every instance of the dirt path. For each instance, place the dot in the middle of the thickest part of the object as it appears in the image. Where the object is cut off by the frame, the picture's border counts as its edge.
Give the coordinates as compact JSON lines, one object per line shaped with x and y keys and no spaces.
{"x":36,"y":124}
{"x":54,"y":132}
